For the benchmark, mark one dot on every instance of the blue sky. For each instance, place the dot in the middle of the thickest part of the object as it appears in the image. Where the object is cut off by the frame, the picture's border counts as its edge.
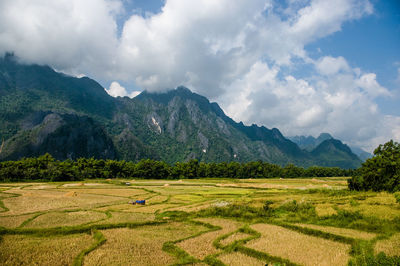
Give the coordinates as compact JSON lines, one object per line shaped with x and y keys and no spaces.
{"x":304,"y":67}
{"x":371,"y":43}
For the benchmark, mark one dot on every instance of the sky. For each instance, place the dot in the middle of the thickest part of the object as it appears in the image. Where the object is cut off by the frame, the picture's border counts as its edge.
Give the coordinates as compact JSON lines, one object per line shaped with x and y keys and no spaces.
{"x":304,"y":67}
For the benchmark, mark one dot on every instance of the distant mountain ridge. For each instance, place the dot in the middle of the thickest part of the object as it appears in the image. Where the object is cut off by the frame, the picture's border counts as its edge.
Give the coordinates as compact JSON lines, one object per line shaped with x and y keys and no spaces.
{"x":45,"y":111}
{"x":310,"y":143}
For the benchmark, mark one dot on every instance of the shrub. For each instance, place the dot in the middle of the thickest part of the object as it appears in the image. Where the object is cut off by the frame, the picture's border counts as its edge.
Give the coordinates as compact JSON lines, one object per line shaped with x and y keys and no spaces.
{"x":381,"y":172}
{"x":267,"y":205}
{"x":397,"y":196}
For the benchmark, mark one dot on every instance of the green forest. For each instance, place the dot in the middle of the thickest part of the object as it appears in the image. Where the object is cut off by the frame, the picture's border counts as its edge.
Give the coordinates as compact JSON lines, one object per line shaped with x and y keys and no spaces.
{"x":381,"y":172}
{"x":46,"y":168}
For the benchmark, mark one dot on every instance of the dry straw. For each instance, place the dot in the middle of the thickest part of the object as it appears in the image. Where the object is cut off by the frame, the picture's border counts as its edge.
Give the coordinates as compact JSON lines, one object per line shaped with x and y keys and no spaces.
{"x":202,"y":246}
{"x":390,"y":247}
{"x":341,"y":231}
{"x":30,"y":250}
{"x":299,"y":248}
{"x":239,"y":259}
{"x":234,"y":237}
{"x":56,"y":219}
{"x":139,"y":246}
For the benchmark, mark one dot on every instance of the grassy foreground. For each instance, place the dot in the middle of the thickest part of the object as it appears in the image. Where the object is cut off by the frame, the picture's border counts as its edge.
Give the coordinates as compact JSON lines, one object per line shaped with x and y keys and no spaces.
{"x":198,"y":222}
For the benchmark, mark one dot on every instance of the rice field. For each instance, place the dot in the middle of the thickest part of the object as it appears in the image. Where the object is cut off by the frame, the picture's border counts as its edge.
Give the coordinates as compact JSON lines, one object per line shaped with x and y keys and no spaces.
{"x":71,"y":218}
{"x":299,"y":248}
{"x":350,"y":233}
{"x":314,"y":221}
{"x":202,"y":245}
{"x":240,"y":259}
{"x":234,"y":237}
{"x":139,"y":246}
{"x":49,"y":250}
{"x":389,"y":246}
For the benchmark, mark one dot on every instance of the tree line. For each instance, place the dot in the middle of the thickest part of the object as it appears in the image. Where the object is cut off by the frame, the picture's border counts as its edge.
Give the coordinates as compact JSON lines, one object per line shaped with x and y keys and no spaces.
{"x":381,"y":172}
{"x":46,"y":168}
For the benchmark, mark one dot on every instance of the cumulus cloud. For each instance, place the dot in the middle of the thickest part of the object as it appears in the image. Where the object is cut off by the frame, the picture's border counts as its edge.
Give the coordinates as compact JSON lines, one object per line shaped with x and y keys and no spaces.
{"x":341,"y":103}
{"x":66,"y":34}
{"x":116,"y":90}
{"x":370,"y":85}
{"x":207,"y":44}
{"x":329,"y":65}
{"x":235,"y":52}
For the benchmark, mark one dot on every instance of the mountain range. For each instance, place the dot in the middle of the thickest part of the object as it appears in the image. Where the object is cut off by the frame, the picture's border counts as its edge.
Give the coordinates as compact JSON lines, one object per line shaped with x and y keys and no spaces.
{"x":309,"y":143}
{"x":42,"y":110}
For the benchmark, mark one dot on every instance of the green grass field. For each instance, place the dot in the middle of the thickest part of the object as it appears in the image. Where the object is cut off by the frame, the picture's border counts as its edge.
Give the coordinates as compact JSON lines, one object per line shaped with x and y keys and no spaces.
{"x":198,"y":222}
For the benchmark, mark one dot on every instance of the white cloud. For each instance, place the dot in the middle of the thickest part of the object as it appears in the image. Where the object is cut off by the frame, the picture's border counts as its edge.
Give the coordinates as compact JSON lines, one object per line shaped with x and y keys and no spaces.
{"x":329,"y":65}
{"x":388,"y":128}
{"x":116,"y":90}
{"x":66,"y":34}
{"x":322,"y":18}
{"x":234,"y":52}
{"x":370,"y":85}
{"x":203,"y":44}
{"x":207,"y":44}
{"x":341,"y":103}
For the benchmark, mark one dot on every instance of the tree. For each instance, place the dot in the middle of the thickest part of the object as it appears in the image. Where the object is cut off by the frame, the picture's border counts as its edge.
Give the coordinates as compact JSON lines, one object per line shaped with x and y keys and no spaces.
{"x":381,"y":172}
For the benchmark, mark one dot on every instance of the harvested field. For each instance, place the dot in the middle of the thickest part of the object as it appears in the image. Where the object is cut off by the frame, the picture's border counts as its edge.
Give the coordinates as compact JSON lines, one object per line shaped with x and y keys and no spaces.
{"x":50,"y":250}
{"x":42,"y":186}
{"x":83,"y":184}
{"x":239,"y":259}
{"x":188,"y":197}
{"x":150,"y":208}
{"x":201,"y":246}
{"x":297,"y":183}
{"x":351,"y":233}
{"x":55,"y":219}
{"x":139,"y":246}
{"x":157,"y":199}
{"x":299,"y":248}
{"x":230,"y":205}
{"x":192,"y":207}
{"x":116,"y":207}
{"x":117,"y":192}
{"x":227,"y":225}
{"x":234,"y":237}
{"x":43,"y":200}
{"x":127,"y":217}
{"x":14,"y":221}
{"x":390,"y":247}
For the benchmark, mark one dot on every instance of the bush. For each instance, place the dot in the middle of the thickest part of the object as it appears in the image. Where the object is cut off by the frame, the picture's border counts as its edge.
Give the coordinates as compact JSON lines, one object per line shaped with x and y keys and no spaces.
{"x":381,"y":172}
{"x":397,"y":196}
{"x":267,"y":205}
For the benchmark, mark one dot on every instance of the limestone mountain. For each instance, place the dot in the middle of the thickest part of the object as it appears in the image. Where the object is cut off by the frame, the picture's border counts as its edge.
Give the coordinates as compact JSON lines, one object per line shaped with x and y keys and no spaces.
{"x":309,"y":142}
{"x":187,"y":126}
{"x":42,"y":110}
{"x":334,"y":152}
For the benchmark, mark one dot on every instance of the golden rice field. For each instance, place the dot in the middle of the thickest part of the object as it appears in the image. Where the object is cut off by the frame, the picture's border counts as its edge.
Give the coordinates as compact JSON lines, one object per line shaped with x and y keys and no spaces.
{"x":314,"y":221}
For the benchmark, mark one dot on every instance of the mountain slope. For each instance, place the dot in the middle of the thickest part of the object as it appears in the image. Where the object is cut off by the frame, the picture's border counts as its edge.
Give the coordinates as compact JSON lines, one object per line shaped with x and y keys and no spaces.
{"x":63,"y":135}
{"x":309,"y":143}
{"x":363,"y":155}
{"x":192,"y":127}
{"x":334,"y":152}
{"x":45,"y":111}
